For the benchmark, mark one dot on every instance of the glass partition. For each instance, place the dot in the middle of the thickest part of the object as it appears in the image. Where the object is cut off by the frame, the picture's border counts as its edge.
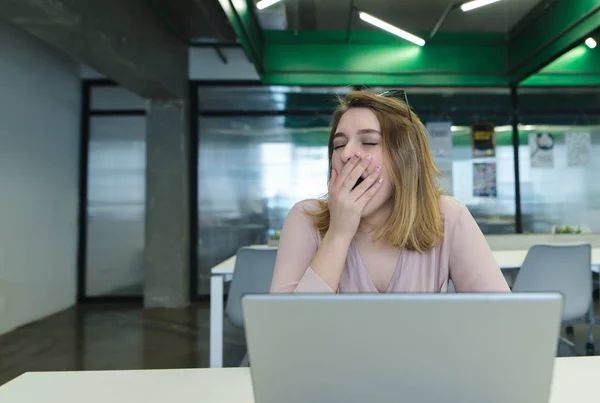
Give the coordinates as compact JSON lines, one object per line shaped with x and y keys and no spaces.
{"x":262,"y":149}
{"x":266,"y":99}
{"x":559,"y":174}
{"x":484,"y":183}
{"x":559,"y":141}
{"x":251,"y":171}
{"x":493,"y":208}
{"x":116,"y":206}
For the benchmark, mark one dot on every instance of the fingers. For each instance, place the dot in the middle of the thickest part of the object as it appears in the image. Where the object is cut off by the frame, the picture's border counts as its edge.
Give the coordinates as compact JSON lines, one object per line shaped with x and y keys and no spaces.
{"x":366,"y":196}
{"x":332,"y":179}
{"x":346,"y":170}
{"x":366,"y":183}
{"x":357,"y":171}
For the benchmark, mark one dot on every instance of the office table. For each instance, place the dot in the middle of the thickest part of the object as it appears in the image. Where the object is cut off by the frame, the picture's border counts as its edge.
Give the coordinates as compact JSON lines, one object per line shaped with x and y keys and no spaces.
{"x":574,"y":381}
{"x":507,"y":259}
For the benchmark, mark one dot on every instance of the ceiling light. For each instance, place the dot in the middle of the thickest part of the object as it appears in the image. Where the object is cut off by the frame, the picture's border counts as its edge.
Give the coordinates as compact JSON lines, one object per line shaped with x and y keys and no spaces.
{"x":390,"y":28}
{"x":468,"y":6}
{"x":591,"y":43}
{"x":262,"y":4}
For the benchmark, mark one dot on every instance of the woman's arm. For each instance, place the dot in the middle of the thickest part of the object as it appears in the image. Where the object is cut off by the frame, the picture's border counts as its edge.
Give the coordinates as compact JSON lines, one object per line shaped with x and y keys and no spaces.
{"x":303,"y":264}
{"x":473,"y":267}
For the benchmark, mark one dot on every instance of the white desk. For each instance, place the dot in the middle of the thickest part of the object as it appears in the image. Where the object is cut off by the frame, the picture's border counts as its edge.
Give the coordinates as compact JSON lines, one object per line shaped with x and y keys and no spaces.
{"x":507,"y":259}
{"x":574,"y":381}
{"x":513,"y":259}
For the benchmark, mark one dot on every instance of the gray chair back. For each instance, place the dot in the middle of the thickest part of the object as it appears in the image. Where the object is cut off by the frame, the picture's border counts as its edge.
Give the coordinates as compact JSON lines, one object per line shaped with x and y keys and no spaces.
{"x":451,"y":288}
{"x":252,"y":274}
{"x":559,"y":268}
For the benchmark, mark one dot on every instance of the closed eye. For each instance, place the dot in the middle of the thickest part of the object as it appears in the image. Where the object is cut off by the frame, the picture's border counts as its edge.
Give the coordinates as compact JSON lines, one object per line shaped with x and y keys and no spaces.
{"x":366,"y":144}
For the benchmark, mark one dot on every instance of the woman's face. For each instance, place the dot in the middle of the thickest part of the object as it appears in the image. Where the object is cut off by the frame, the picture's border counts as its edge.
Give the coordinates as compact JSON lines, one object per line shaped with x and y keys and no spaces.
{"x":359,"y":131}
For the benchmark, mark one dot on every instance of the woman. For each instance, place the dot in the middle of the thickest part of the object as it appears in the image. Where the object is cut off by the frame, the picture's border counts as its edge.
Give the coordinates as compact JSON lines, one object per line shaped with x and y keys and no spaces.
{"x":385,"y":225}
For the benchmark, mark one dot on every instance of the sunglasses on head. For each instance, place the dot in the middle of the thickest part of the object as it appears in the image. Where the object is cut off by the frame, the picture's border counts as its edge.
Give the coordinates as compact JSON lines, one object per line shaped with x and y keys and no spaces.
{"x":398,"y":94}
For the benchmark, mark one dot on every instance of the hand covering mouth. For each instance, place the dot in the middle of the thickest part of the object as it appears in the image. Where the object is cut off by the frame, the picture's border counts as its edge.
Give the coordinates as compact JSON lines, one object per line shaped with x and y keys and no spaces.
{"x":358,"y":182}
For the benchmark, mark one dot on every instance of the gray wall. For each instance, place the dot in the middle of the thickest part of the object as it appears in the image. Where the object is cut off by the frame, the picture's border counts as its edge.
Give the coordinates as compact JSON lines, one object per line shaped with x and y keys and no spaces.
{"x":39,"y":152}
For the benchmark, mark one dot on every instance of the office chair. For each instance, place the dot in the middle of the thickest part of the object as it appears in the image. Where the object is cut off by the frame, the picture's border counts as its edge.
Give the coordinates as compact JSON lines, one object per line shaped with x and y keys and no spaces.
{"x":252,"y":274}
{"x":565,"y":269}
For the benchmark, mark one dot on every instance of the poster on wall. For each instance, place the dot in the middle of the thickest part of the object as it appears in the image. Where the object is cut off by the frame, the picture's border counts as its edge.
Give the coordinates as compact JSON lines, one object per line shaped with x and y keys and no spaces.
{"x":541,"y":150}
{"x":484,"y":179}
{"x":578,"y":148}
{"x":440,"y":139}
{"x":483,"y":137}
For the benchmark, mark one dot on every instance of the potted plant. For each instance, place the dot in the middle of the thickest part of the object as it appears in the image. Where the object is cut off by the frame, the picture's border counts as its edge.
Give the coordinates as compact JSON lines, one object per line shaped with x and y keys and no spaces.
{"x":274,"y":241}
{"x":566,"y":229}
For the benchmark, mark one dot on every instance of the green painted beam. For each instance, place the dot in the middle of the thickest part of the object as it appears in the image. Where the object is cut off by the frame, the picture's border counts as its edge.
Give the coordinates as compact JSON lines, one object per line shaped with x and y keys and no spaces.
{"x":562,"y":80}
{"x":397,"y":80}
{"x":246,"y":27}
{"x":561,"y":27}
{"x":580,"y":66}
{"x":330,"y":62}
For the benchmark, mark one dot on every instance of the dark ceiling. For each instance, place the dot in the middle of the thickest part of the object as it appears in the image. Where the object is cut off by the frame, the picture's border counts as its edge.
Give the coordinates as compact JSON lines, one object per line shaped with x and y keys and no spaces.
{"x":204,"y":21}
{"x":411,"y":15}
{"x":198,"y":21}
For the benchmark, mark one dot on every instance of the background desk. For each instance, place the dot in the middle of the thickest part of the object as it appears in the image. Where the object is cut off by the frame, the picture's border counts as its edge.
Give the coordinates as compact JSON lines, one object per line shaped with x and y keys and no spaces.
{"x":507,"y":259}
{"x":574,"y":381}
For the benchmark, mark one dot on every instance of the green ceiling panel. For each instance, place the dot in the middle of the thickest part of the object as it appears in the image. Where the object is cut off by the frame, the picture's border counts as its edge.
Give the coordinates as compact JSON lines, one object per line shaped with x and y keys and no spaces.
{"x":564,"y":24}
{"x":384,"y":64}
{"x":580,"y":66}
{"x":433,"y":80}
{"x":561,"y":80}
{"x":580,"y":59}
{"x":384,"y":59}
{"x":378,"y":58}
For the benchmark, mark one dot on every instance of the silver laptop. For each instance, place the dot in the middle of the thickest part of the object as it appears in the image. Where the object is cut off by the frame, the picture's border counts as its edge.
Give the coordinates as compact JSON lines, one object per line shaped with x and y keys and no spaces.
{"x":416,"y":348}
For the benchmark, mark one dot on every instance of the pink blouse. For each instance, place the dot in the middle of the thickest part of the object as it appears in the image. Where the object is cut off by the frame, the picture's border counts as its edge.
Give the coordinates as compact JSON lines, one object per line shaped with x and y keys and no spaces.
{"x":463,"y":257}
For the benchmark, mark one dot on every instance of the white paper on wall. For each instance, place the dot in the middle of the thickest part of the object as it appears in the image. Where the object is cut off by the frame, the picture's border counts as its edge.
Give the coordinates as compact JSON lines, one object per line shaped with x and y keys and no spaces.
{"x":578,"y":148}
{"x":440,"y":139}
{"x":541,"y":150}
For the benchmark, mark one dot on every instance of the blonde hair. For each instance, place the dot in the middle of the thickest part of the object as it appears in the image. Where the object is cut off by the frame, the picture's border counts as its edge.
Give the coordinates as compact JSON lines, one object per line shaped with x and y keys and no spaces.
{"x":416,"y":222}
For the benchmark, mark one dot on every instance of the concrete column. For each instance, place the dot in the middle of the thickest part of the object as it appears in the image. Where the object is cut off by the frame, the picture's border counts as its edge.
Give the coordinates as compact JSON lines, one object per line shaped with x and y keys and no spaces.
{"x":166,"y":282}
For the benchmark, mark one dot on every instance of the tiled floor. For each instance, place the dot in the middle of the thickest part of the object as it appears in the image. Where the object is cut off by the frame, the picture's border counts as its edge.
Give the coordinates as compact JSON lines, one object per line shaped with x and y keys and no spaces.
{"x":107,"y":337}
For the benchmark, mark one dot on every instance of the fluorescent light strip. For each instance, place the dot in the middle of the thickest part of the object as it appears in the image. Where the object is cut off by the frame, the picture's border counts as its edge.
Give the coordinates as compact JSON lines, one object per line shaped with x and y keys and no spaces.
{"x":505,"y":128}
{"x":591,"y":43}
{"x":390,"y":28}
{"x":262,"y":4}
{"x":476,"y":4}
